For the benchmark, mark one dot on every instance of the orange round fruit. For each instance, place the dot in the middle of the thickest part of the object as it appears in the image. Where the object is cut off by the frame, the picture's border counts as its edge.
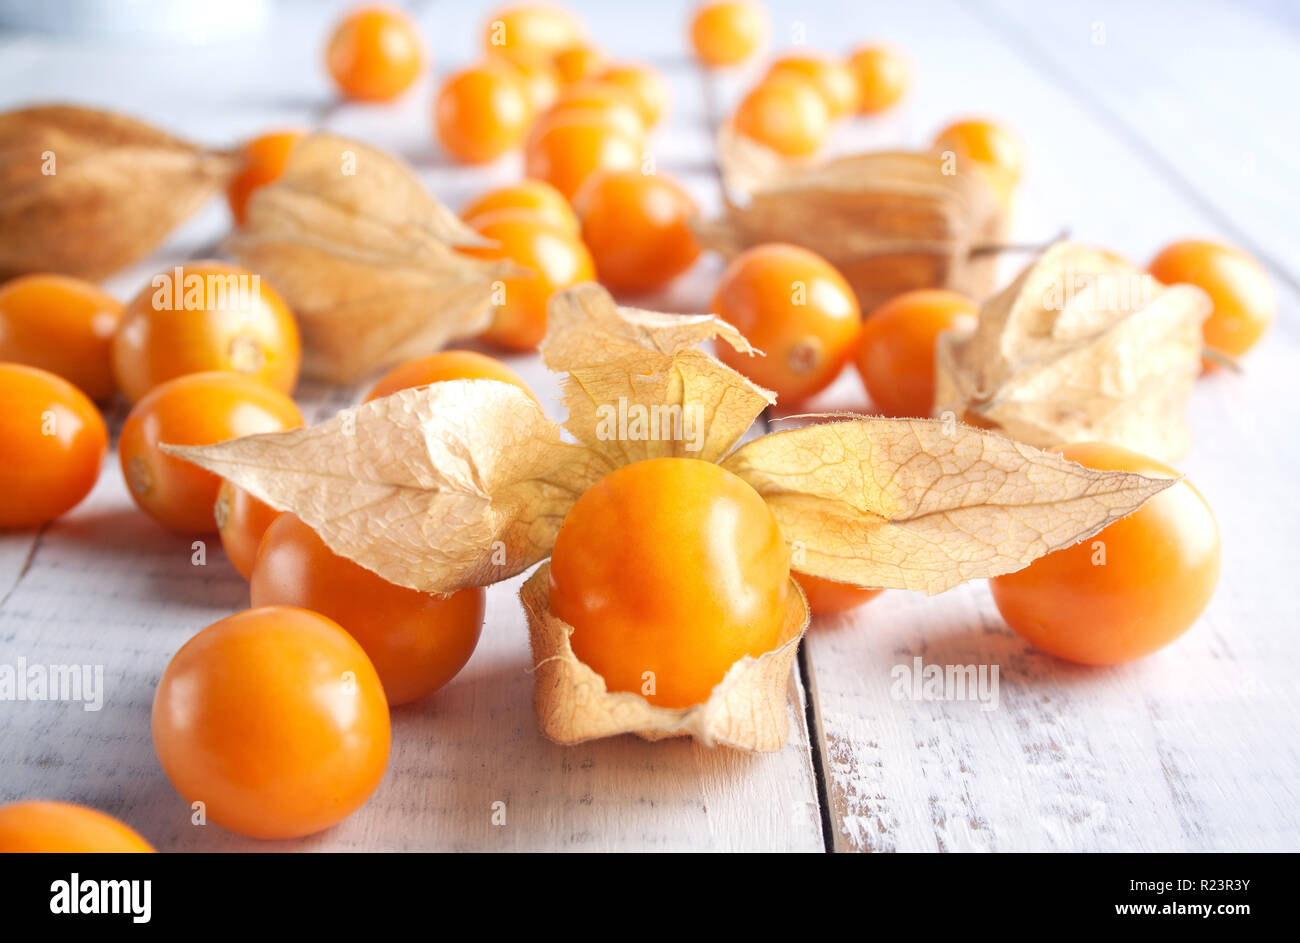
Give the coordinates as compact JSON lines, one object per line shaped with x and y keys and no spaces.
{"x":206,"y":316}
{"x":669,"y":571}
{"x":482,"y":112}
{"x":442,"y":366}
{"x":1131,"y":589}
{"x":611,"y":101}
{"x":557,"y":260}
{"x":241,"y":522}
{"x":199,"y":409}
{"x":1245,"y":301}
{"x":896,"y":352}
{"x":417,"y":641}
{"x":44,"y":826}
{"x":533,"y":196}
{"x":646,"y":86}
{"x":832,"y":78}
{"x":828,"y":597}
{"x":261,"y":161}
{"x":63,"y":325}
{"x":531,"y":32}
{"x":53,"y":441}
{"x":375,"y":54}
{"x":275,"y":720}
{"x":577,"y":62}
{"x":993,"y":147}
{"x":785,"y":113}
{"x":637,"y":228}
{"x":568,"y":146}
{"x":797,"y":309}
{"x":882,"y":74}
{"x":728,"y":32}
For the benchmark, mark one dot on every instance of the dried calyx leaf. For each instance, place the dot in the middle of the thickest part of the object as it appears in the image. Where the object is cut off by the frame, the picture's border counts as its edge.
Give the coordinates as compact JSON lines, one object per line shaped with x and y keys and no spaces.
{"x":891,"y":221}
{"x":926,"y":505}
{"x":747,"y":709}
{"x":466,"y":482}
{"x":366,"y":258}
{"x":86,"y":192}
{"x":1082,"y":346}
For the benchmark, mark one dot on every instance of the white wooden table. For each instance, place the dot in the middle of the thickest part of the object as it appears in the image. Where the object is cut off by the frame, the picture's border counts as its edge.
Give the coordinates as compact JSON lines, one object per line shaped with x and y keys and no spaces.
{"x":1144,"y":122}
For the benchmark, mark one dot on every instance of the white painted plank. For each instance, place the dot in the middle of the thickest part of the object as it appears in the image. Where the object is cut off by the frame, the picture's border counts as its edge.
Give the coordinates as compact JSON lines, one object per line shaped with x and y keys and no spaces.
{"x":108,"y":587}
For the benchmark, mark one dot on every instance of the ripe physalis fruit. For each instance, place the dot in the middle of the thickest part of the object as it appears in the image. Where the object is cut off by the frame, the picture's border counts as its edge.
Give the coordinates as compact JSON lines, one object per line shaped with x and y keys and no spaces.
{"x":578,"y":62}
{"x":241,"y":522}
{"x":896,"y":352}
{"x":890,"y":221}
{"x":728,"y":32}
{"x":531,"y":32}
{"x":86,"y":192}
{"x":44,"y":826}
{"x":785,"y":113}
{"x":570,"y":145}
{"x":883,"y":75}
{"x":646,"y":86}
{"x":53,"y":441}
{"x":797,"y":310}
{"x":534,"y":196}
{"x":482,"y":481}
{"x":669,"y":570}
{"x":637,"y":228}
{"x":375,"y":54}
{"x":482,"y":112}
{"x":827,"y":597}
{"x":550,"y":259}
{"x":1130,"y":590}
{"x":993,"y":147}
{"x":442,"y":366}
{"x":1082,"y":346}
{"x":262,"y":160}
{"x":63,"y":325}
{"x":196,"y":409}
{"x":204,"y":316}
{"x":417,"y":641}
{"x":365,"y":257}
{"x":613,"y":102}
{"x":830,"y":75}
{"x":275,"y":720}
{"x":1244,"y":299}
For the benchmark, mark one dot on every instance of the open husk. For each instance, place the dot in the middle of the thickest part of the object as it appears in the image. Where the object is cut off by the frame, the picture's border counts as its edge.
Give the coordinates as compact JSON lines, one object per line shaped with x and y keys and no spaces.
{"x":466,"y":482}
{"x":366,"y":258}
{"x":890,"y":221}
{"x":85,"y":192}
{"x":1081,"y":346}
{"x":747,"y":709}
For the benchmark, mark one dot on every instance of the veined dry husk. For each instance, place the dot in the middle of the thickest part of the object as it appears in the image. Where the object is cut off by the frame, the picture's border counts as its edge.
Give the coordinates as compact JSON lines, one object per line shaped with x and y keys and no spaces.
{"x":466,"y":482}
{"x":1082,"y":346}
{"x":366,"y":258}
{"x":86,"y":192}
{"x":890,"y":221}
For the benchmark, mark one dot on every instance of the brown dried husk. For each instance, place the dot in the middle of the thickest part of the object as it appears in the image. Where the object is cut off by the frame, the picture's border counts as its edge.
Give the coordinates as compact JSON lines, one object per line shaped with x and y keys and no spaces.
{"x":366,"y":259}
{"x":425,"y":486}
{"x":747,"y":709}
{"x":119,"y":187}
{"x":890,"y":221}
{"x":1081,"y":346}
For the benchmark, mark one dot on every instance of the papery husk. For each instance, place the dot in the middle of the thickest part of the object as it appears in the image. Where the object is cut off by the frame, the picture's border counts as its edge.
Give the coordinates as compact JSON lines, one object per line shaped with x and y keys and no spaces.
{"x":1052,"y":361}
{"x":424,"y":487}
{"x":367,"y":260}
{"x":890,"y":221}
{"x":119,"y":187}
{"x":748,"y":709}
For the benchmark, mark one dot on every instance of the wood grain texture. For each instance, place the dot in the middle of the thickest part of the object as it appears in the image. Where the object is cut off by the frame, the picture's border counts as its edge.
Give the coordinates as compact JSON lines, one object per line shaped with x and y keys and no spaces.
{"x":1193,"y":748}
